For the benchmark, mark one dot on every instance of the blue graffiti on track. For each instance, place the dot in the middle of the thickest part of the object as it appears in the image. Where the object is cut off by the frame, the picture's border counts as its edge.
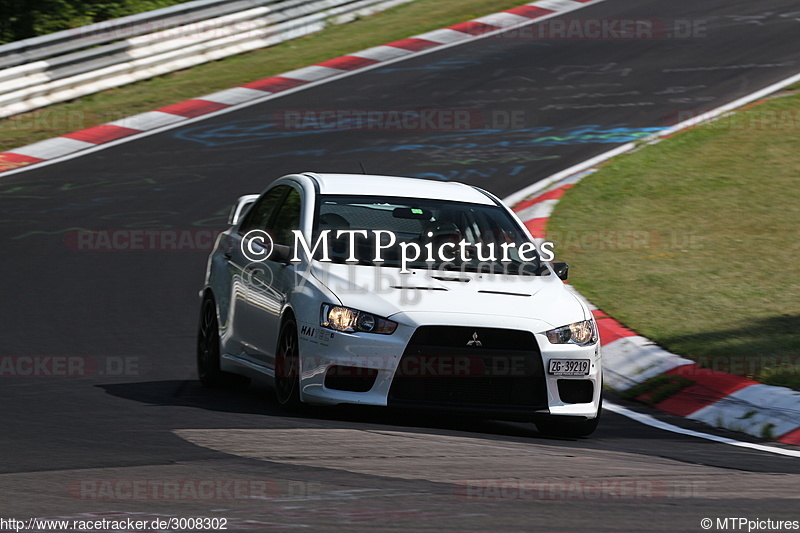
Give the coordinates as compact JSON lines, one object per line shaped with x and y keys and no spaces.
{"x":470,"y":173}
{"x":478,"y":139}
{"x":242,"y":131}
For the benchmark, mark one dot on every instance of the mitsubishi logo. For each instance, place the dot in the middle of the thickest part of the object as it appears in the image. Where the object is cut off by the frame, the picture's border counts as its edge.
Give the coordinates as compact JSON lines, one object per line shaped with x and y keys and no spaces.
{"x":474,"y":341}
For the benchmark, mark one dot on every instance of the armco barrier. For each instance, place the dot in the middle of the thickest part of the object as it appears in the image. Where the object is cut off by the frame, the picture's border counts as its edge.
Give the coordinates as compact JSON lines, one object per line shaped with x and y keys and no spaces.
{"x":66,"y":65}
{"x":63,"y":42}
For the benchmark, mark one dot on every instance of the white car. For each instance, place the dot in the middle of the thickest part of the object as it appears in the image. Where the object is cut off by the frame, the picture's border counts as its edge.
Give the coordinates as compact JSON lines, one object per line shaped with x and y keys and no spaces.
{"x":389,"y":291}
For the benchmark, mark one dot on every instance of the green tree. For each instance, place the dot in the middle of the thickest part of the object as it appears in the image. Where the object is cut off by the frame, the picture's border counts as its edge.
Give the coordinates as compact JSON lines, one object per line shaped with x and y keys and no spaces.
{"x":22,"y":19}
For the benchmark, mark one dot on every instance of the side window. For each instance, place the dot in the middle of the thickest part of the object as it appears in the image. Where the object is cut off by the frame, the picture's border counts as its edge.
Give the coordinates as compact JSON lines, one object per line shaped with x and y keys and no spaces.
{"x":258,"y":215}
{"x":288,"y":219}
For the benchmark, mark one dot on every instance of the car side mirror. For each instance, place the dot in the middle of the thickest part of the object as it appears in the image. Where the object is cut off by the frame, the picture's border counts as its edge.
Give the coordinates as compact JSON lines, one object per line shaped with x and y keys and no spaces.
{"x":281,"y":254}
{"x":561,"y":269}
{"x":240,"y":208}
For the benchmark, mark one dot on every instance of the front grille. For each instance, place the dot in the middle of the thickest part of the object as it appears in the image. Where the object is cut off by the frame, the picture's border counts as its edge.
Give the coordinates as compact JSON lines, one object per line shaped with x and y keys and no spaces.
{"x":466,"y":367}
{"x":575,"y":390}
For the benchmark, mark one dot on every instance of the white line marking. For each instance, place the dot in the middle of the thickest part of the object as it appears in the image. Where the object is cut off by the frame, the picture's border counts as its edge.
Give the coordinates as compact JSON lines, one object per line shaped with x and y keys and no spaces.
{"x":648,"y":420}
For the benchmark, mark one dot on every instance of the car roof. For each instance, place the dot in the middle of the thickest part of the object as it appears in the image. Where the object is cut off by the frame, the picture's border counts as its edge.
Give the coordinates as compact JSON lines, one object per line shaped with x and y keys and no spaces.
{"x":373,"y":185}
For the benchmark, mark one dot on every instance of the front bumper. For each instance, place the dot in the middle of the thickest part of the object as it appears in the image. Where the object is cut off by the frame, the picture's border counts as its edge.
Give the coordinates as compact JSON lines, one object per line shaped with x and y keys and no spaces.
{"x":401,"y":372}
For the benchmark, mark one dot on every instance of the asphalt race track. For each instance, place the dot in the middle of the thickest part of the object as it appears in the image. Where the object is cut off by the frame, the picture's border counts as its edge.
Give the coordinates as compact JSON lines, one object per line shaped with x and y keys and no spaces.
{"x":126,"y":319}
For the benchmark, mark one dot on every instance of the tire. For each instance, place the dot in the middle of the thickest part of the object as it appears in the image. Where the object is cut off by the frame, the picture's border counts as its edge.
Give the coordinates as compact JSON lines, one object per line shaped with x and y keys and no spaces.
{"x":208,"y":369}
{"x":565,"y":428}
{"x":287,"y":366}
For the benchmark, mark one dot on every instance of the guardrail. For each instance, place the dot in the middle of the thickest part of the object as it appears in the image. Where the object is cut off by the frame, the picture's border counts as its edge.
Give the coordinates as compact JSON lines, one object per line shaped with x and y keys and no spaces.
{"x":69,"y":64}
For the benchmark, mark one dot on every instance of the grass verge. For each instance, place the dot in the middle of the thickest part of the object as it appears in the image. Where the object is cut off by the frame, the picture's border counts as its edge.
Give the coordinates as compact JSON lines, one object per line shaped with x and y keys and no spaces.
{"x":394,"y":24}
{"x":693,"y":242}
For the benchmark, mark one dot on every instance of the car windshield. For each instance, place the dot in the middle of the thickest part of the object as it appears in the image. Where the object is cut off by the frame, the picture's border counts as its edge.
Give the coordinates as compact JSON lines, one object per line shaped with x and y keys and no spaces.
{"x":448,"y":235}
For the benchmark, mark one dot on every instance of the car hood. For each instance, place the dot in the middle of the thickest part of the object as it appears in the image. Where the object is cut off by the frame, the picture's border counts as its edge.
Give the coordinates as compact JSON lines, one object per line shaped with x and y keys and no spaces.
{"x":386,"y":292}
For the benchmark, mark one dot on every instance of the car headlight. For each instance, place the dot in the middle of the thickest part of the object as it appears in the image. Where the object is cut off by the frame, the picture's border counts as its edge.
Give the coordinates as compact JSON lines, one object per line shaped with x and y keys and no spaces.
{"x":350,"y":320}
{"x":582,"y":333}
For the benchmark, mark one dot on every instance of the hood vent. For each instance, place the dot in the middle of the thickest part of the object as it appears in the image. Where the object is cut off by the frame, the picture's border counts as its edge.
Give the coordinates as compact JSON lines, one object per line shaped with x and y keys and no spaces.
{"x":443,"y":278}
{"x":420,"y":288}
{"x":506,"y":293}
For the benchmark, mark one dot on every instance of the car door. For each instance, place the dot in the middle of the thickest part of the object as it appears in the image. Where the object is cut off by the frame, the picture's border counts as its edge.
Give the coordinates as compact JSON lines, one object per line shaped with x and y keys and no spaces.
{"x":270,"y":282}
{"x":244,"y":323}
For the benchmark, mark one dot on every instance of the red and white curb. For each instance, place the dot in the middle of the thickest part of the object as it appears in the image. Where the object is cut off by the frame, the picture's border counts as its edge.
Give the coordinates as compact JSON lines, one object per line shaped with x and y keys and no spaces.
{"x":252,"y":92}
{"x":716,"y":398}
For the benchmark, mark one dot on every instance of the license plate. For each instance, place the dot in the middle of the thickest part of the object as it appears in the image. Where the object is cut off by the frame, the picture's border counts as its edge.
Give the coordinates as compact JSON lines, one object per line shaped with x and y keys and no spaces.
{"x":569,"y":367}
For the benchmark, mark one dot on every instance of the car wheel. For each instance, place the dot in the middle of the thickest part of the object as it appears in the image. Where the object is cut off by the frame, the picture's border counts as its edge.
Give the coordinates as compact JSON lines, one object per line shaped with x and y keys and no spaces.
{"x":208,"y":351}
{"x":565,"y":428}
{"x":287,"y":367}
